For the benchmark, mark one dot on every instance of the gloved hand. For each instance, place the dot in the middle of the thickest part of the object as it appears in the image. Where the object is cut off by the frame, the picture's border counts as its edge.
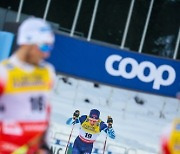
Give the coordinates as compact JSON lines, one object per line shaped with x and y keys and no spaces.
{"x":76,"y":114}
{"x":109,"y":121}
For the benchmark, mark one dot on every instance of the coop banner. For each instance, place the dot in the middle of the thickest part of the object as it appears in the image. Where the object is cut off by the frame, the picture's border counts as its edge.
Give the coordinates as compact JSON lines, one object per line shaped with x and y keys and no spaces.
{"x":116,"y":67}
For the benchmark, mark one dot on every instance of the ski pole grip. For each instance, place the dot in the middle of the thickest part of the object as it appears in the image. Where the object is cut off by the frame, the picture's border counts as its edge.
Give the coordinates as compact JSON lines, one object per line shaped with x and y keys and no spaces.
{"x":76,"y":114}
{"x":109,"y":121}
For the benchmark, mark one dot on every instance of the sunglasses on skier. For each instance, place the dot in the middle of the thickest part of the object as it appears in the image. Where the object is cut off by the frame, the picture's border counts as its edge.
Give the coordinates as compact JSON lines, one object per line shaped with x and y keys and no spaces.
{"x":45,"y":47}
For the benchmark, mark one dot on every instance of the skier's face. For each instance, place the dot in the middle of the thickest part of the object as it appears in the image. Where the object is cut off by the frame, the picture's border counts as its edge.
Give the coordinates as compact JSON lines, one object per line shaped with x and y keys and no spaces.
{"x":32,"y":54}
{"x":93,"y":121}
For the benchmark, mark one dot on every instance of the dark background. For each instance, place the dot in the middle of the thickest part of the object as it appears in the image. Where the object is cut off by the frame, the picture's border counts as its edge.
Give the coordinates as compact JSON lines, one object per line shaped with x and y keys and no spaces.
{"x":111,"y":19}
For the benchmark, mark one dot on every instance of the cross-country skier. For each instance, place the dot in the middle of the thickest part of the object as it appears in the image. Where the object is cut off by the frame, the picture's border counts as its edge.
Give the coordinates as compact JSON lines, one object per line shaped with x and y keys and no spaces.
{"x":25,"y":84}
{"x":90,"y":127}
{"x":170,"y":138}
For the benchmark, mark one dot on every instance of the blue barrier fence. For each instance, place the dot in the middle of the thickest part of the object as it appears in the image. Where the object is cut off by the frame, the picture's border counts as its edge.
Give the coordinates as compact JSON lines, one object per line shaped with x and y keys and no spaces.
{"x":6,"y":41}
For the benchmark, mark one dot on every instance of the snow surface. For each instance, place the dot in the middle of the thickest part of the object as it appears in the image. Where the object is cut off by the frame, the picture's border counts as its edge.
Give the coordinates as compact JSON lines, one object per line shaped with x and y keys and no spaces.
{"x":138,"y":126}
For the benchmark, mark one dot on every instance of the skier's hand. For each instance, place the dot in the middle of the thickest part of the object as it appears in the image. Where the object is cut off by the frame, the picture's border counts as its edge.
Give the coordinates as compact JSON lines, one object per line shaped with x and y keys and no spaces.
{"x":111,"y":133}
{"x":109,"y":121}
{"x":76,"y":114}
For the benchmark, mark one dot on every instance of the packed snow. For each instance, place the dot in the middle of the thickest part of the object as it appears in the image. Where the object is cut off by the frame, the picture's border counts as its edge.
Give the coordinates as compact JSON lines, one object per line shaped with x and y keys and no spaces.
{"x":139,"y":118}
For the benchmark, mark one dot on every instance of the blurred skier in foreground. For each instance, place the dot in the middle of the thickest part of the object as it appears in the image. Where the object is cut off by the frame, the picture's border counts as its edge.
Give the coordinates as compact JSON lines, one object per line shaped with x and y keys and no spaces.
{"x":170,"y":139}
{"x":25,"y":84}
{"x":90,"y":127}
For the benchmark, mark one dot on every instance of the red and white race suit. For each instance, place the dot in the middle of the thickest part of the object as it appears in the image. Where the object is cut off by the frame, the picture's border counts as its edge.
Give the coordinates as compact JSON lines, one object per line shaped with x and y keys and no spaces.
{"x":24,"y":105}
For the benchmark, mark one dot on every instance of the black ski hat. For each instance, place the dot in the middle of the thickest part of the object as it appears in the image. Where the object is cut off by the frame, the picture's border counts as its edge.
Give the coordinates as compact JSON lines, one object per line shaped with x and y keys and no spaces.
{"x":94,"y":113}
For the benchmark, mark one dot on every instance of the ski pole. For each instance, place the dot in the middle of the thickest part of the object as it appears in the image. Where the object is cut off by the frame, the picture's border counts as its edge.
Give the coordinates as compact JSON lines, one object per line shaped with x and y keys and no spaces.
{"x":75,"y":116}
{"x":104,"y":148}
{"x":109,"y":121}
{"x":69,"y":138}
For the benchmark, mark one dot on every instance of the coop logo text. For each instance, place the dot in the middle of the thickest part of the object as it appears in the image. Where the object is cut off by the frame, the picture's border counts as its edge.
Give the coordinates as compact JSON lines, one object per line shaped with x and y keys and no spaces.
{"x":155,"y":74}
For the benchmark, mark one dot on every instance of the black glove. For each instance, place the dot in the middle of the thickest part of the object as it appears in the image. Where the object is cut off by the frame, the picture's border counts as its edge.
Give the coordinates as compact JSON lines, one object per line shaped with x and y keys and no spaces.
{"x":76,"y":114}
{"x":109,"y":122}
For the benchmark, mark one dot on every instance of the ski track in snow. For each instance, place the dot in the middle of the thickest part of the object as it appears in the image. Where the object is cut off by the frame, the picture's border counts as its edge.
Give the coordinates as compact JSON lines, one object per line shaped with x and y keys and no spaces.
{"x":136,"y":126}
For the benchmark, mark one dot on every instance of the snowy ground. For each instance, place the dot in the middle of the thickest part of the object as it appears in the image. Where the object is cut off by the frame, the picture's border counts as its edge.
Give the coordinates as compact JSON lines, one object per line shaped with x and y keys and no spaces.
{"x":138,"y":126}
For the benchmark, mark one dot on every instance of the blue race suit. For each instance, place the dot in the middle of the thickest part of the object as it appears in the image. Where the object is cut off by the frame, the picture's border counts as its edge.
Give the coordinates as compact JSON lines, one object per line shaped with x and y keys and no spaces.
{"x":83,"y":144}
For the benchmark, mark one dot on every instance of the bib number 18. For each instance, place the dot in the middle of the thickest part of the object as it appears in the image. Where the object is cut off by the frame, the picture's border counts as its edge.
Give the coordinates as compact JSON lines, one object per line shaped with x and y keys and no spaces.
{"x":37,"y":103}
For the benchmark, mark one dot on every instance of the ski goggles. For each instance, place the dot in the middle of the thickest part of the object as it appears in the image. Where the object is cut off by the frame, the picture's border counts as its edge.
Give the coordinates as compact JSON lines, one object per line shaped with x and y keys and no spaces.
{"x":45,"y":47}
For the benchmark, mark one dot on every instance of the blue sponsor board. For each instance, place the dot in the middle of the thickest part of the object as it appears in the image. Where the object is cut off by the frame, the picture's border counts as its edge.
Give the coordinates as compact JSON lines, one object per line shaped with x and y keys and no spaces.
{"x":112,"y":66}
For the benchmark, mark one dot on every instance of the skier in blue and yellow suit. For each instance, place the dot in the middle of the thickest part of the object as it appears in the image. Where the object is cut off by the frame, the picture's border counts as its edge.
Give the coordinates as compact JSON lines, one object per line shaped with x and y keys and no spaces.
{"x":91,"y":126}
